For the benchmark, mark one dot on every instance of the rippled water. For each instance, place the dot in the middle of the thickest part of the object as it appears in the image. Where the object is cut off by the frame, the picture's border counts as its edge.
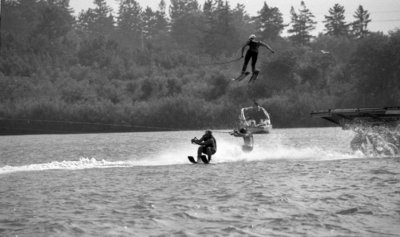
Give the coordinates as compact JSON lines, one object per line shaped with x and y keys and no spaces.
{"x":296,"y":182}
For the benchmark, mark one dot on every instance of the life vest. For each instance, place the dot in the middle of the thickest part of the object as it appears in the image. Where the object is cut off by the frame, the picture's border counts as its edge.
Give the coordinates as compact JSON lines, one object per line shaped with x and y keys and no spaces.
{"x":209,"y":142}
{"x":253,"y":46}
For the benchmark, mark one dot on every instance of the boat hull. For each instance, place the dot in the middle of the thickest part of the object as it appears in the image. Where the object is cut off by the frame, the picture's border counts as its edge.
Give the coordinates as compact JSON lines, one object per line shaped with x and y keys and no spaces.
{"x":259,"y":130}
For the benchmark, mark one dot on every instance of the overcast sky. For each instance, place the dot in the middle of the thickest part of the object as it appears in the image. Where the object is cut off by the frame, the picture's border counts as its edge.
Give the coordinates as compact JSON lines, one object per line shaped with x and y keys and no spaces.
{"x":385,"y":14}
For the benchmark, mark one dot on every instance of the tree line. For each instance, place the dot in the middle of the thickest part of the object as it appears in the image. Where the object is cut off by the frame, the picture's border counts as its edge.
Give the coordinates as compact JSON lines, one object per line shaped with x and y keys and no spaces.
{"x":170,"y":69}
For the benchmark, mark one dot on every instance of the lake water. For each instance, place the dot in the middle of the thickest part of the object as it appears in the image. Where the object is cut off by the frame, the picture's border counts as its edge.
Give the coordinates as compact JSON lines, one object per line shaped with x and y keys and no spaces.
{"x":296,"y":182}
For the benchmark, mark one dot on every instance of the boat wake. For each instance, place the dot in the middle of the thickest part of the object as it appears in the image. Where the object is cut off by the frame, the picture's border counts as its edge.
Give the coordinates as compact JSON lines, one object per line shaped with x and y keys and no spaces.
{"x":82,"y":163}
{"x":227,"y":152}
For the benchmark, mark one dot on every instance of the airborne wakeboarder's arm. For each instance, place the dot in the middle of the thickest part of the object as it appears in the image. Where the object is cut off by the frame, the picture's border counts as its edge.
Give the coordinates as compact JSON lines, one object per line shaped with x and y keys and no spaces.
{"x":267,"y":46}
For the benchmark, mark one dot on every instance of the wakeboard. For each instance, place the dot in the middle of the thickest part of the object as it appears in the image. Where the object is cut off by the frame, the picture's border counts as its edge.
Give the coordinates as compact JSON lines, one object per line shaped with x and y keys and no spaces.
{"x":254,"y":76}
{"x":241,"y":76}
{"x":203,"y":158}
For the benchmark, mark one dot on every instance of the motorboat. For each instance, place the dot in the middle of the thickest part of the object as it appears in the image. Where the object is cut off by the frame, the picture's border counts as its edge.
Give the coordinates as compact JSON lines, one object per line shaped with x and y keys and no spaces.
{"x":255,"y":119}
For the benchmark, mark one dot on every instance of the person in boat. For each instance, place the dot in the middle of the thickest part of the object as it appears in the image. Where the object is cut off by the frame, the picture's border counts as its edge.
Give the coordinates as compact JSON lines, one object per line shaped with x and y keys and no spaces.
{"x":252,"y":52}
{"x":208,"y":145}
{"x":248,"y":141}
{"x":259,"y":116}
{"x":257,"y":106}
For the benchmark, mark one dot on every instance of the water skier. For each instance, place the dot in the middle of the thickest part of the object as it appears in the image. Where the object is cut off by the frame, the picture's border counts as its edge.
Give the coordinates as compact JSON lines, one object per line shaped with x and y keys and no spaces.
{"x":208,"y":145}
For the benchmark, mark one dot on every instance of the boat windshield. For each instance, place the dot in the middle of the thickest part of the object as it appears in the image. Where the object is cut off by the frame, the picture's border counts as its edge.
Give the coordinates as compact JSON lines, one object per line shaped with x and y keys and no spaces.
{"x":257,"y":114}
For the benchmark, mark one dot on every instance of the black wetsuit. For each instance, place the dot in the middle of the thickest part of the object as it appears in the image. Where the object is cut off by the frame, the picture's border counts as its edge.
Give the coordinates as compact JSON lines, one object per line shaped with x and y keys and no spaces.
{"x":208,"y":145}
{"x":252,"y":53}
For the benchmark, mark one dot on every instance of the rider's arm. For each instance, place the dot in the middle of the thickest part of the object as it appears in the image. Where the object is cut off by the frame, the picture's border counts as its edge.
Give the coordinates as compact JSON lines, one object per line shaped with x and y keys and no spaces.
{"x":200,"y":141}
{"x":267,"y":46}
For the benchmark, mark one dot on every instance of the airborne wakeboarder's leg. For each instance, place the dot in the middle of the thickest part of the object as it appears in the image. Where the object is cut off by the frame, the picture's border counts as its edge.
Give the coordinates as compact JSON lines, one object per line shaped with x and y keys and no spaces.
{"x":244,"y":74}
{"x":254,"y":57}
{"x":255,"y":72}
{"x":246,"y":61}
{"x":254,"y":76}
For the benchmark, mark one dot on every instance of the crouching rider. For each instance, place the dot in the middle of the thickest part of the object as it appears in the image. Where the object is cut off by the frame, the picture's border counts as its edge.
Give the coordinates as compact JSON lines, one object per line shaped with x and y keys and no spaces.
{"x":208,"y":145}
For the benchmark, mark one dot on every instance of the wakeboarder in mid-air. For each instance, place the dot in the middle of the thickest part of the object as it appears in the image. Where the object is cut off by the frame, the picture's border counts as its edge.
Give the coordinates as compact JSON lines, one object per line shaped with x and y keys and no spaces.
{"x":252,"y":53}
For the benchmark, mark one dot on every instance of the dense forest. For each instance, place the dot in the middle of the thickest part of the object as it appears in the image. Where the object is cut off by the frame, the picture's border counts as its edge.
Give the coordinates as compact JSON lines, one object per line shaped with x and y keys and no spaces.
{"x":138,"y":69}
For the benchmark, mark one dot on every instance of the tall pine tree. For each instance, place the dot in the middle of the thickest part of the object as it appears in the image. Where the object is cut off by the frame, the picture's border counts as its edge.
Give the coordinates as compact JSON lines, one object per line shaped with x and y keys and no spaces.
{"x":161,"y":25}
{"x":129,"y":28}
{"x":335,"y":22}
{"x":219,"y":32}
{"x":302,"y":25}
{"x":269,"y":22}
{"x":243,"y":23}
{"x":185,"y":23}
{"x":149,"y":22}
{"x":156,"y":27}
{"x":55,"y":22}
{"x":98,"y":21}
{"x":179,"y":8}
{"x":359,"y":26}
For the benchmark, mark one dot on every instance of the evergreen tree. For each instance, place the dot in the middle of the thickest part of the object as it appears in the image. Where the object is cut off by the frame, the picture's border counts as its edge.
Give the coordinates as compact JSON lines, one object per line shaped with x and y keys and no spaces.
{"x":54,"y":23}
{"x":19,"y":22}
{"x":302,"y":25}
{"x":154,"y":22}
{"x":130,"y":23}
{"x":375,"y":68}
{"x":98,"y":21}
{"x":149,"y":22}
{"x":209,"y":20}
{"x":243,"y":23}
{"x":220,"y":32}
{"x":179,"y":8}
{"x":161,"y":24}
{"x":359,"y":26}
{"x":41,"y":26}
{"x":269,"y":22}
{"x":186,"y":25}
{"x":156,"y":27}
{"x":335,"y":22}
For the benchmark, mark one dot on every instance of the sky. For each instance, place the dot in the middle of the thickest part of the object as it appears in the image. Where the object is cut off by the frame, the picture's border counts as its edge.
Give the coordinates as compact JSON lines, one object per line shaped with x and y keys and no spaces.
{"x":385,"y":14}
